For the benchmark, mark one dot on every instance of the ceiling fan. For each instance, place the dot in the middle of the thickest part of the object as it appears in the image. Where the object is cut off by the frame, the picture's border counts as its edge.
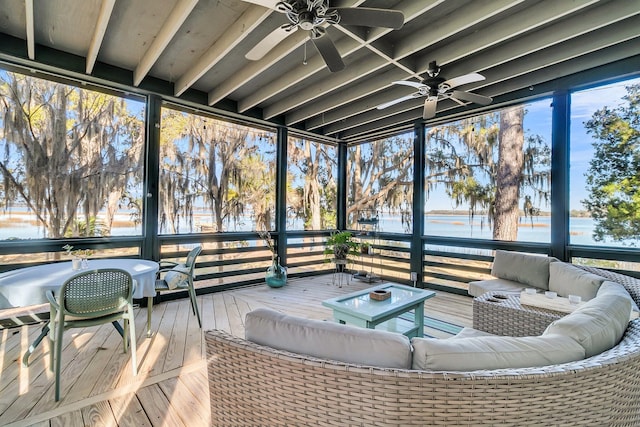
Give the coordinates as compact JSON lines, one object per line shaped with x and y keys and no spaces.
{"x":314,"y":16}
{"x":436,"y":87}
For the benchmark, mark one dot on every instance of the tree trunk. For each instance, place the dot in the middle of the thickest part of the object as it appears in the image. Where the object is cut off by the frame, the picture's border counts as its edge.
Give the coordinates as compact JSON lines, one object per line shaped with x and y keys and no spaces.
{"x":312,"y":191}
{"x":509,"y":174}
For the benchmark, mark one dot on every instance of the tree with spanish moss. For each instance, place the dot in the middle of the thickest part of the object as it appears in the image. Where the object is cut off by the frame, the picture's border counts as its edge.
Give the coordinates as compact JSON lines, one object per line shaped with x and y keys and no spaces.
{"x":613,"y":178}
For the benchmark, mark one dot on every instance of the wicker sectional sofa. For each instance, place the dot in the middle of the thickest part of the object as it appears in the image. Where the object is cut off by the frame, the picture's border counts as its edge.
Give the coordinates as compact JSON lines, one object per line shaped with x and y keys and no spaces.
{"x":253,"y":384}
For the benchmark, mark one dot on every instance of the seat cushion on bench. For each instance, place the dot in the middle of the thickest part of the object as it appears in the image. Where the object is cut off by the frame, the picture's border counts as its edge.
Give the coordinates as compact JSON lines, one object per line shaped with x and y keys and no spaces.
{"x":328,"y":340}
{"x":480,"y":287}
{"x":493,"y":352}
{"x":530,"y":270}
{"x":467,"y":332}
{"x":598,"y":325}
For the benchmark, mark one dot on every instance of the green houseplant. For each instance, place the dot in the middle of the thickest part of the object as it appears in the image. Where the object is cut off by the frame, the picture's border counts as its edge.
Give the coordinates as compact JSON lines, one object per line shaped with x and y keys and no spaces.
{"x":341,"y":245}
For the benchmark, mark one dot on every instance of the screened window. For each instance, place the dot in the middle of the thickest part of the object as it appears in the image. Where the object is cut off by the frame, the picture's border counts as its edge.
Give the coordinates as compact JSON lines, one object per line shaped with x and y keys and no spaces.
{"x":380,"y":183}
{"x":215,"y":175}
{"x":311,"y":184}
{"x":605,"y":165}
{"x":488,"y":176}
{"x":71,"y":160}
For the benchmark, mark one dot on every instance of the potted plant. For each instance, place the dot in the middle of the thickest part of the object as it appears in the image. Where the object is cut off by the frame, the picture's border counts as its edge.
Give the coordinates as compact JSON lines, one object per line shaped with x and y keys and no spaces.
{"x":365,"y":248}
{"x":341,"y":245}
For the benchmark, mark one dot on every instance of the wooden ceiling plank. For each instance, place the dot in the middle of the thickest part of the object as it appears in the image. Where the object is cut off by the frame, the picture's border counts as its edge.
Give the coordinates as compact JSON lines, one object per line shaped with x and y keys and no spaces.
{"x":315,"y":64}
{"x":517,"y":24}
{"x":253,"y":69}
{"x":170,"y":27}
{"x":474,"y":13}
{"x":106,"y":9}
{"x":222,"y":47}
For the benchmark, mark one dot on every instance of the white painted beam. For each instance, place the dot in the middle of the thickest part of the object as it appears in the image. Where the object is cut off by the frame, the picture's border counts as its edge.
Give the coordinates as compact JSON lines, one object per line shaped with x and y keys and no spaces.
{"x":31,"y":43}
{"x":106,"y":8}
{"x":170,"y":27}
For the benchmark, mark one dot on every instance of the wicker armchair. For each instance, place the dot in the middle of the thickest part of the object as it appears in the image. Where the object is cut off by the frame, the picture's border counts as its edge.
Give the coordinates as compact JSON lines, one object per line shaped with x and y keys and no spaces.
{"x":91,"y":298}
{"x":251,"y":384}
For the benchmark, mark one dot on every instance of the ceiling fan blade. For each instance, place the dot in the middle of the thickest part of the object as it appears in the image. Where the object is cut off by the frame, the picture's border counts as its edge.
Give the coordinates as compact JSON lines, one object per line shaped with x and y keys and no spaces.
{"x":456,"y":100}
{"x":430,"y":107}
{"x":370,"y":17}
{"x":472,"y":97}
{"x":269,"y":42}
{"x":463,"y":80}
{"x":397,"y":101}
{"x":329,"y":53}
{"x":416,"y":85}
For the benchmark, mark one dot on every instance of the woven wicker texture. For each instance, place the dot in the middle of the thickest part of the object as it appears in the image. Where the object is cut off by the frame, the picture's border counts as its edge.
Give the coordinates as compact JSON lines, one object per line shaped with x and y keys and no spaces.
{"x":505,"y":316}
{"x":254,"y":385}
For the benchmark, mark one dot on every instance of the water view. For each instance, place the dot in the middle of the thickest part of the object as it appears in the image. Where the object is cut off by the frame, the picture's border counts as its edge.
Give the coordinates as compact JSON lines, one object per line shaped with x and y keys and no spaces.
{"x":20,"y":225}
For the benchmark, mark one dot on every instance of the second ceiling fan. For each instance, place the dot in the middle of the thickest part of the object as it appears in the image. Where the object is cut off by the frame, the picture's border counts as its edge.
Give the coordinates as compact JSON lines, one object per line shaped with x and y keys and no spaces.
{"x":314,"y":16}
{"x":436,"y":87}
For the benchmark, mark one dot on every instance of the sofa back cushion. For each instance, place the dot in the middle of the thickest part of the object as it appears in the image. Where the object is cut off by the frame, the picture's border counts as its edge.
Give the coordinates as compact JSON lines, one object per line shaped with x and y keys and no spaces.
{"x":608,"y":287}
{"x":598,"y":325}
{"x":566,"y":279}
{"x":532,"y":270}
{"x":493,"y":352}
{"x":328,"y":340}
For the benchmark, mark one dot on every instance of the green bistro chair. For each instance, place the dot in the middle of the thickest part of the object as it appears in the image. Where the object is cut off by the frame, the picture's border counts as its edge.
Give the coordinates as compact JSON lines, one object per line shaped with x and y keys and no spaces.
{"x":92,"y":298}
{"x":173,"y":276}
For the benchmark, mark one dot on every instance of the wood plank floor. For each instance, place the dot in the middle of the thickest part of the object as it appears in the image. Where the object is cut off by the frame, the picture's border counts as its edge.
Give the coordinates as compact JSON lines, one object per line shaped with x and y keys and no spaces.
{"x":98,"y":388}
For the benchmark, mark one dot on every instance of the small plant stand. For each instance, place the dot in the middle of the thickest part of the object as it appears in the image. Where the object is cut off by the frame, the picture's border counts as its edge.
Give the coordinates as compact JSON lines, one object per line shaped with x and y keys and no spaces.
{"x":368,"y":225}
{"x":340,"y":275}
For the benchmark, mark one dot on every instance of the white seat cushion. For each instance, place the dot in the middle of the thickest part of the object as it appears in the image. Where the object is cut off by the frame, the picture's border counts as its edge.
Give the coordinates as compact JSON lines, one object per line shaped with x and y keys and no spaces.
{"x":493,"y":352}
{"x":505,"y":286}
{"x":328,"y":340}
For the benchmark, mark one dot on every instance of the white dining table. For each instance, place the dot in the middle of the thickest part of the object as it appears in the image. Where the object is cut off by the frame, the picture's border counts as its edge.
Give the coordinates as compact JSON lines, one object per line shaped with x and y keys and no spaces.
{"x":28,"y":286}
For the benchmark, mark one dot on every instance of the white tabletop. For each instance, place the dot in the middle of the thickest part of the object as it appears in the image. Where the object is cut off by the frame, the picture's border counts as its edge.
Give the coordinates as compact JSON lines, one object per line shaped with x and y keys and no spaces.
{"x":27,"y":286}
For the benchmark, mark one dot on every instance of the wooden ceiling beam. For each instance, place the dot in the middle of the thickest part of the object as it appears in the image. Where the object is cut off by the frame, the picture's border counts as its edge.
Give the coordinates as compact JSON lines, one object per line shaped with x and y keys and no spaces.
{"x":106,"y":9}
{"x":169,"y":28}
{"x":30,"y":35}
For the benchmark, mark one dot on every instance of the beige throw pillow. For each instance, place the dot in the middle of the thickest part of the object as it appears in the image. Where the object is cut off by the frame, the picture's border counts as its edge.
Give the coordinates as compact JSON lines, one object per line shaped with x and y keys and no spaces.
{"x":177,"y":277}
